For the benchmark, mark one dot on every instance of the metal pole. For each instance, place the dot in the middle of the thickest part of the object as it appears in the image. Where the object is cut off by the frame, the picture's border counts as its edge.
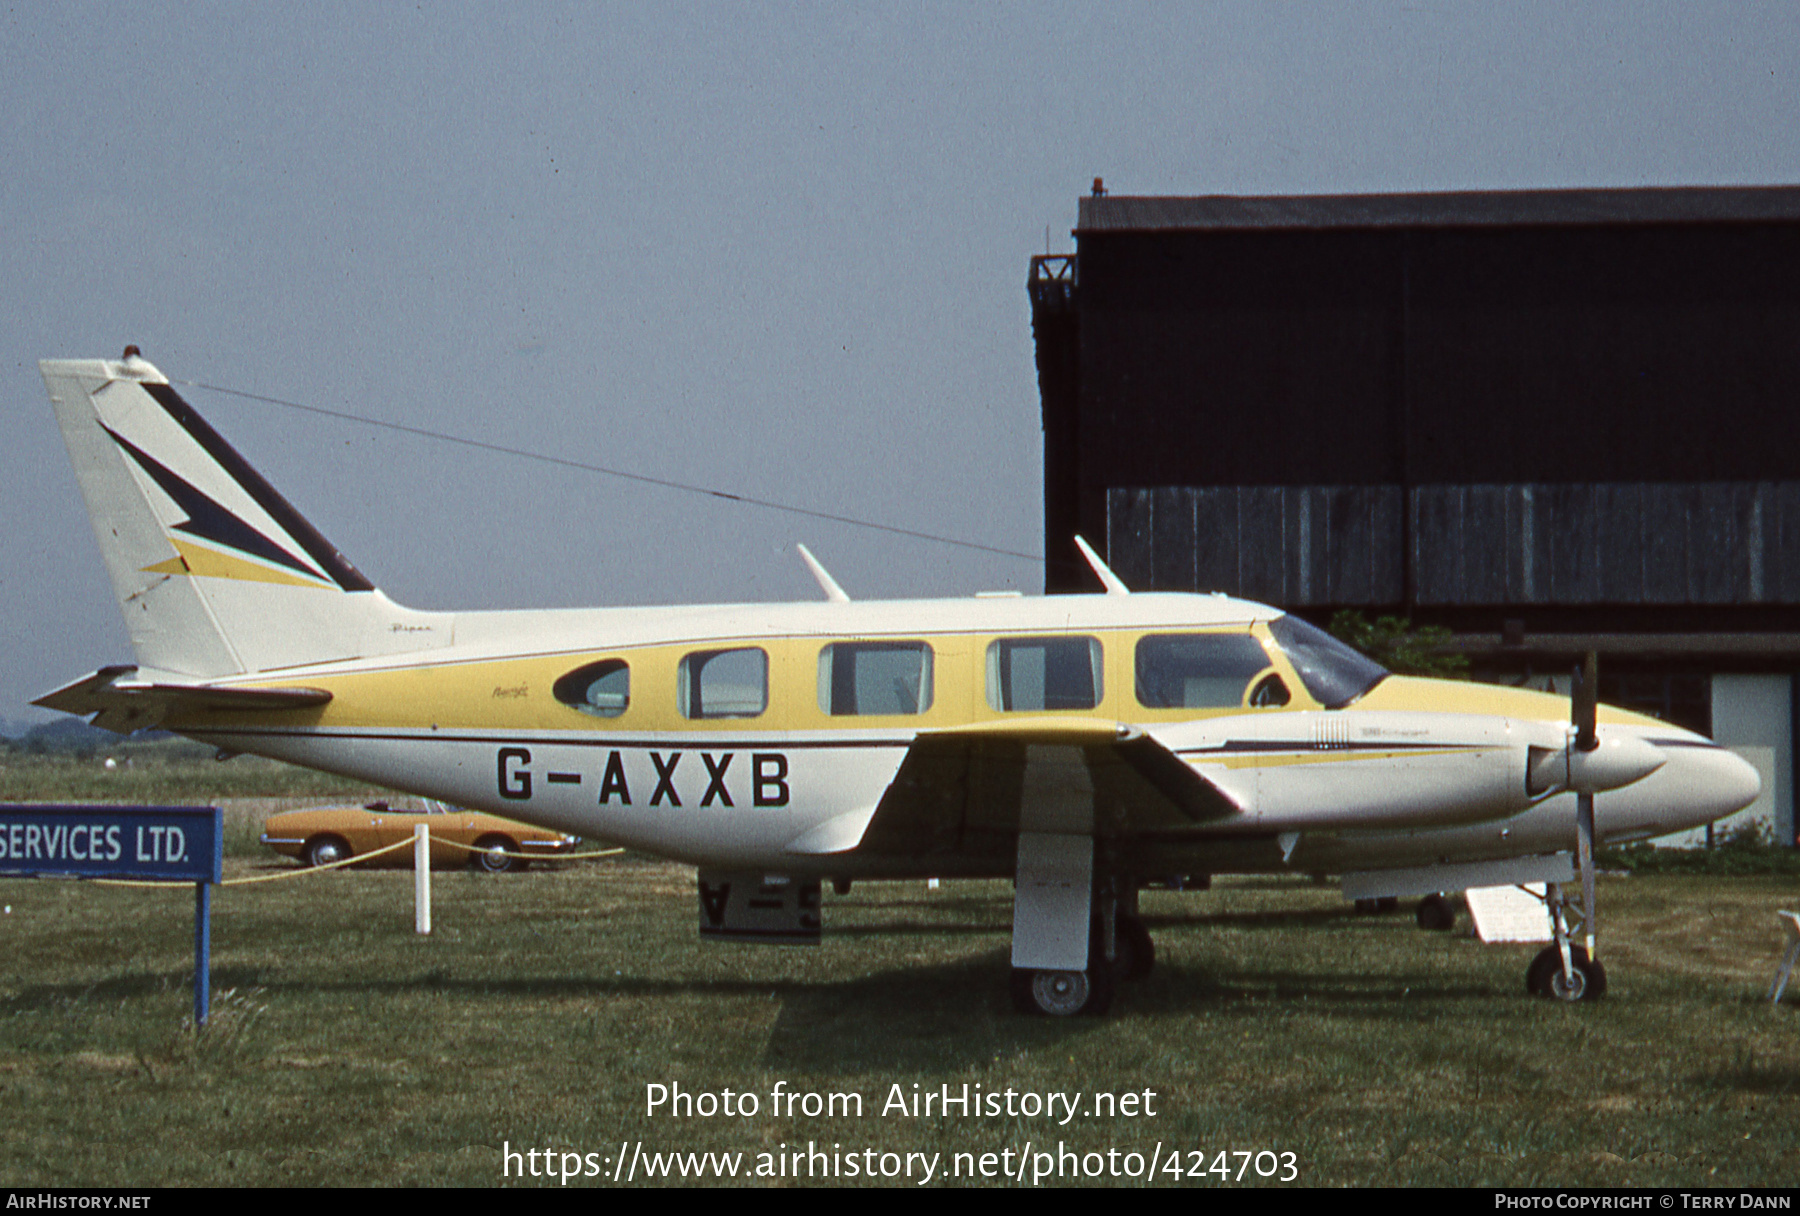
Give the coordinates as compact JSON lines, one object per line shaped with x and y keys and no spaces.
{"x":202,"y":953}
{"x":421,"y":878}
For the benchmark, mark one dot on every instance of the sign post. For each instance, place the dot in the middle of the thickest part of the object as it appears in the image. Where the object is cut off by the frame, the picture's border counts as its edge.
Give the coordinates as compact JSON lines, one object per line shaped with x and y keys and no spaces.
{"x":164,"y":844}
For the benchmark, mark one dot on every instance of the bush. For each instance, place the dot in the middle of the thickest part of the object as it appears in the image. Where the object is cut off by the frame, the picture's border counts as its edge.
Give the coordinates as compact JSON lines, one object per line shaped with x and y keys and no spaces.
{"x":1400,"y":646}
{"x":1748,"y":848}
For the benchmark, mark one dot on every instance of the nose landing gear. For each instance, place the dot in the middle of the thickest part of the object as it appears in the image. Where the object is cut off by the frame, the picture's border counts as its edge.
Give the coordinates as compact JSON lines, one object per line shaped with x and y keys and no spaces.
{"x":1565,"y":971}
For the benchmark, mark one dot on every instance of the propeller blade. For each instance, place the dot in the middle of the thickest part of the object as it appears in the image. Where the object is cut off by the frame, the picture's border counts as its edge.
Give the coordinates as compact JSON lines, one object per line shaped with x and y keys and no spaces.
{"x":1585,"y":705}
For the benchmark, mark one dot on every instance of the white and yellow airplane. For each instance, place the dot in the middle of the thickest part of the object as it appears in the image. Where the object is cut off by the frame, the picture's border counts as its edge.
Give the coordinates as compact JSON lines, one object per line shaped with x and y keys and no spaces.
{"x":1082,"y":745}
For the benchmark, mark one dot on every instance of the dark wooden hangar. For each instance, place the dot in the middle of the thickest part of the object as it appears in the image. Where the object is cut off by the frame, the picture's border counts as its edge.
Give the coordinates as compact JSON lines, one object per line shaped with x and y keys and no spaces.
{"x":1551,"y":420}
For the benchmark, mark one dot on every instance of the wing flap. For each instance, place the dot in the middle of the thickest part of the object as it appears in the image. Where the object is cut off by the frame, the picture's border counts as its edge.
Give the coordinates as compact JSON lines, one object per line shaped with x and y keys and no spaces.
{"x":968,"y":792}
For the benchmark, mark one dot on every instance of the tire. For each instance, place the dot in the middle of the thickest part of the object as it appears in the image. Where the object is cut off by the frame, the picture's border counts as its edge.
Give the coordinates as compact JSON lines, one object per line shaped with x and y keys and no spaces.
{"x":323,"y":850}
{"x":490,"y":861}
{"x":1436,"y":914}
{"x":1062,"y":994}
{"x":1135,"y":952}
{"x":1545,"y":976}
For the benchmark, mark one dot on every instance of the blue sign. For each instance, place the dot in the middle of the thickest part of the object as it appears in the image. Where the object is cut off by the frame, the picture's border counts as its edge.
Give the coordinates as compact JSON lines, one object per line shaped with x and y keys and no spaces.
{"x":169,"y":843}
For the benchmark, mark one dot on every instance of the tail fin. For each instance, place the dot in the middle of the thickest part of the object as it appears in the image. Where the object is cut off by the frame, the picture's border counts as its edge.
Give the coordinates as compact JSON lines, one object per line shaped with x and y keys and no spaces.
{"x":216,"y":573}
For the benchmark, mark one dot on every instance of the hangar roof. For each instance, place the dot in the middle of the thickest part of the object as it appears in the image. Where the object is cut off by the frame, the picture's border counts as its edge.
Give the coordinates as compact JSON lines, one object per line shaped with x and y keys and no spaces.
{"x":1486,"y":208}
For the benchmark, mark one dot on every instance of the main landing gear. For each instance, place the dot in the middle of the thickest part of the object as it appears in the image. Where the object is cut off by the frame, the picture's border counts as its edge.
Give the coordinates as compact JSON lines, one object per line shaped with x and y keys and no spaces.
{"x":1436,"y":913}
{"x":1119,"y":950}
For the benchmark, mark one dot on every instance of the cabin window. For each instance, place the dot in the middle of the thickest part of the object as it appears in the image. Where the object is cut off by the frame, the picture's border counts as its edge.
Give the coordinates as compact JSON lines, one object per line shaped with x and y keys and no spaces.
{"x":602,"y":689}
{"x":1044,"y":674}
{"x":1203,"y":671}
{"x":724,"y":683}
{"x":1270,"y":692}
{"x":875,"y":678}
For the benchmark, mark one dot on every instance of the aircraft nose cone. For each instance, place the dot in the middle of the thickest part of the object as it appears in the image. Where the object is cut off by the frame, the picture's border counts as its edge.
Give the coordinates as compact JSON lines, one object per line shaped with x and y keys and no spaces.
{"x":1735,"y":784}
{"x":1702,"y":783}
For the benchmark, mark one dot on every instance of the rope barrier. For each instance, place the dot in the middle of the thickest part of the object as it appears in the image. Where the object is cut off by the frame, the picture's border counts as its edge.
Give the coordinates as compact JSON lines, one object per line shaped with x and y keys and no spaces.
{"x":304,"y":871}
{"x":470,"y":848}
{"x":232,"y":882}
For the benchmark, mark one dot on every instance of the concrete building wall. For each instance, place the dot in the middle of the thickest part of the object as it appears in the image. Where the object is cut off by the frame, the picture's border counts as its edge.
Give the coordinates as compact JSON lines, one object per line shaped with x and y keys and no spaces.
{"x":1753,"y":716}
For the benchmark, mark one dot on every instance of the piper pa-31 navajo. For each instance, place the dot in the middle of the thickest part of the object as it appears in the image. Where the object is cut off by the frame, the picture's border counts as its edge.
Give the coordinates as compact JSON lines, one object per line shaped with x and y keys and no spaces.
{"x":1083,"y":746}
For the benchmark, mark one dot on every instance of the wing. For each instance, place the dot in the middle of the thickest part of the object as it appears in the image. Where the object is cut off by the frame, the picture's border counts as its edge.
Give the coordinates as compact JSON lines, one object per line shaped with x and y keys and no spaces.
{"x":968,"y":793}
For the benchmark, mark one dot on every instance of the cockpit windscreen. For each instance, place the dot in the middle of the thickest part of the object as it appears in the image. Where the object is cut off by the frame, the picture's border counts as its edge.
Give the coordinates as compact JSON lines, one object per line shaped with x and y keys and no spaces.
{"x":1333,"y":673}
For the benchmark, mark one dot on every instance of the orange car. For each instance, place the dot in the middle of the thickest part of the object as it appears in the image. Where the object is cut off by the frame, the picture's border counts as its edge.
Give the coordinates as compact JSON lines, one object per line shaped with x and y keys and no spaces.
{"x":321,"y":835}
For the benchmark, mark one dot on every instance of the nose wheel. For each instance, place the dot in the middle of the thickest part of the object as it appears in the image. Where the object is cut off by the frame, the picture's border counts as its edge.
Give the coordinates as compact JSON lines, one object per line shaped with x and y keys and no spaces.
{"x":1565,"y":971}
{"x":1585,"y":979}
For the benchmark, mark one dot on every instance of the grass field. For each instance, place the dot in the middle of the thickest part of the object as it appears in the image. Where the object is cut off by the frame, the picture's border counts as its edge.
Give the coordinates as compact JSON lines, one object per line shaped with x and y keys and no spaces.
{"x":169,"y":771}
{"x":346,"y":1049}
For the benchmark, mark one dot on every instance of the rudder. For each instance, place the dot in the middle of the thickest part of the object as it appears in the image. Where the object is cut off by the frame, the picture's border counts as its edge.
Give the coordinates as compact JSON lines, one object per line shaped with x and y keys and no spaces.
{"x":215,"y":572}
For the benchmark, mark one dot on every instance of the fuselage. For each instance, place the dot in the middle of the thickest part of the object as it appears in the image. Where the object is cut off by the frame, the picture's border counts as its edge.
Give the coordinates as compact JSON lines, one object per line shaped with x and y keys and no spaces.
{"x":765,"y":735}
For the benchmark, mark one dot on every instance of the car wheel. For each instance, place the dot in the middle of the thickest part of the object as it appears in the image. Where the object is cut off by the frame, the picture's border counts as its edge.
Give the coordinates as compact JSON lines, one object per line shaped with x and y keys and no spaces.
{"x":494,"y":856}
{"x":323,"y":850}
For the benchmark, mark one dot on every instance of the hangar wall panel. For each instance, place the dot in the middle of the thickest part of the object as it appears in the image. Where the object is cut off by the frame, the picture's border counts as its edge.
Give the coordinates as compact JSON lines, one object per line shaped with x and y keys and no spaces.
{"x":1282,"y":544}
{"x":1556,"y":544}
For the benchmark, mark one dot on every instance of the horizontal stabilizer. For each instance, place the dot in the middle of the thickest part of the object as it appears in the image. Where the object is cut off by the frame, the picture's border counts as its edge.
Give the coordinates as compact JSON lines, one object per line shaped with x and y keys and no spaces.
{"x":122,"y":703}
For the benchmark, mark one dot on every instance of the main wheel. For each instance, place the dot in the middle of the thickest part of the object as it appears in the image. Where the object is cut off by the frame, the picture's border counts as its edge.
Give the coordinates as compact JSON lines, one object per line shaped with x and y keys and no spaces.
{"x":1135,"y":952}
{"x":323,"y":850}
{"x":1436,"y":913}
{"x":1545,"y":976}
{"x":1062,"y":994}
{"x":494,"y":859}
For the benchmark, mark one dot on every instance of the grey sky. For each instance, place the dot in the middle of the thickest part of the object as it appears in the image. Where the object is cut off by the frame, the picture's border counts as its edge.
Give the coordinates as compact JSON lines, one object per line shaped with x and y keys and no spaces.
{"x":780,"y":250}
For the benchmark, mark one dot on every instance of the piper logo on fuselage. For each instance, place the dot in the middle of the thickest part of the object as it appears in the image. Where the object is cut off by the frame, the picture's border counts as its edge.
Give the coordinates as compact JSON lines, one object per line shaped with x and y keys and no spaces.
{"x":707,"y":783}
